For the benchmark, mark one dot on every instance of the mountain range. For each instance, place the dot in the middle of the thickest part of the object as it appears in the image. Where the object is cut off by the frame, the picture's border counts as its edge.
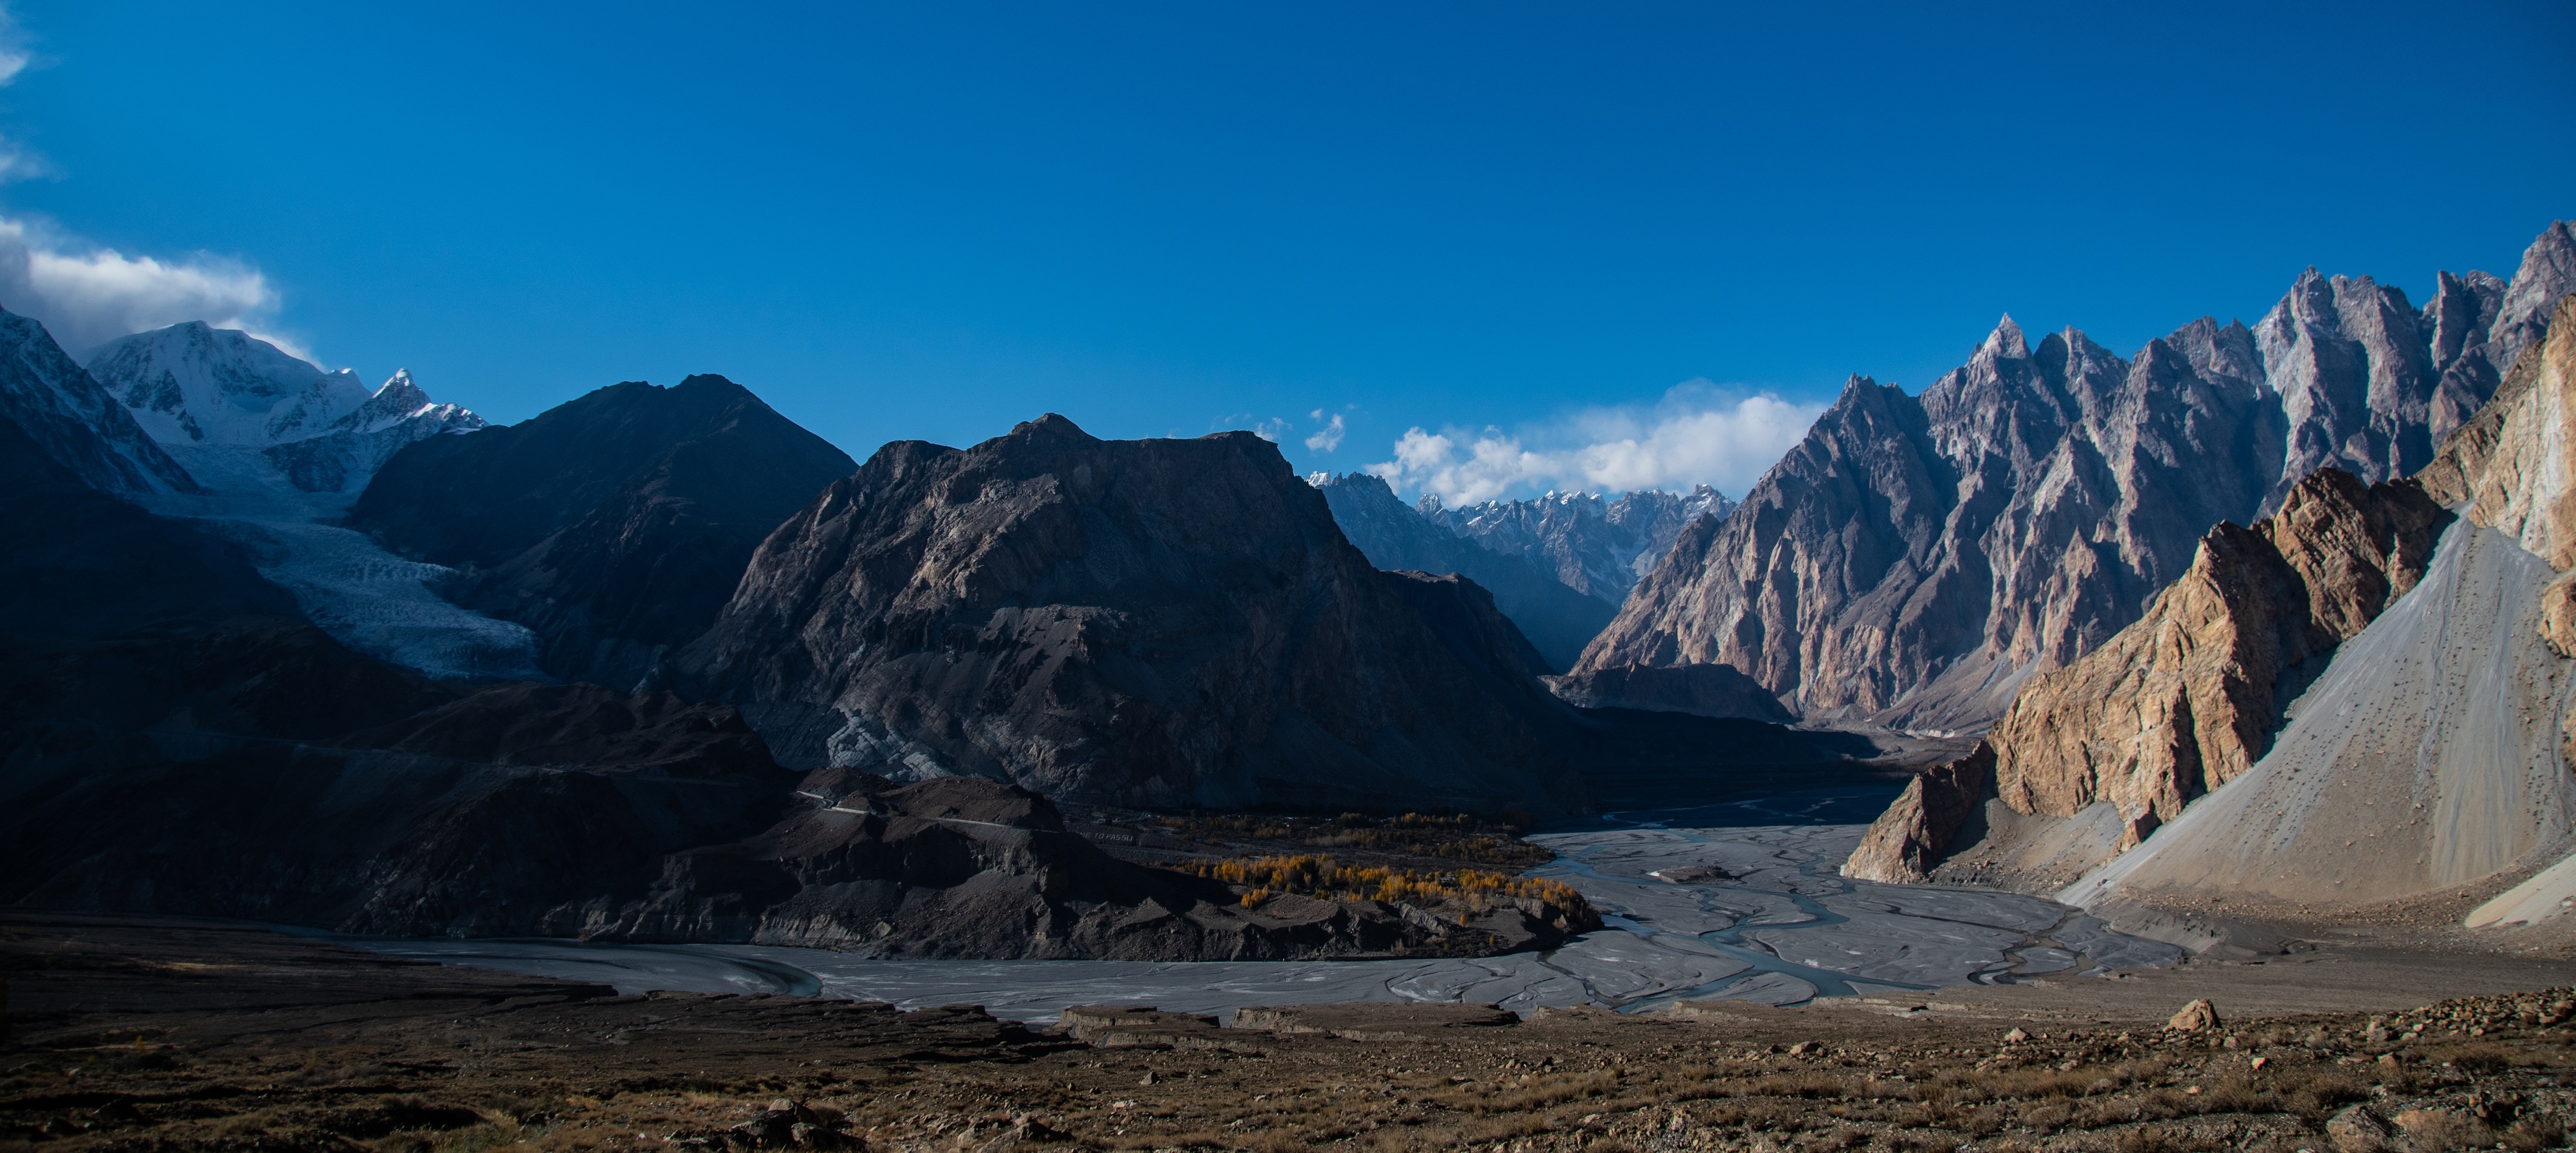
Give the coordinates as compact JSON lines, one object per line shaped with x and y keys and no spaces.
{"x":2364,"y":700}
{"x":239,"y":689}
{"x":1917,"y":558}
{"x":658,"y":664}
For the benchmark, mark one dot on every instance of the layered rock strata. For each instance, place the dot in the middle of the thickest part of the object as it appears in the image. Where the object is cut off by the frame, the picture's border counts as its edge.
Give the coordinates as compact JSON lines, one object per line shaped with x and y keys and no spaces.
{"x":1158,"y":622}
{"x":1917,"y":558}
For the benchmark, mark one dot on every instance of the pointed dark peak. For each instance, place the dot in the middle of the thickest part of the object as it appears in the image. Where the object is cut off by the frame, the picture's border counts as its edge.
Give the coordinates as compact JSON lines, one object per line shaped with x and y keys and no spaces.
{"x":711,"y":382}
{"x":2005,"y":342}
{"x":399,"y":390}
{"x":1370,"y":491}
{"x":1052,"y":428}
{"x":1858,"y":392}
{"x":1355,"y":480}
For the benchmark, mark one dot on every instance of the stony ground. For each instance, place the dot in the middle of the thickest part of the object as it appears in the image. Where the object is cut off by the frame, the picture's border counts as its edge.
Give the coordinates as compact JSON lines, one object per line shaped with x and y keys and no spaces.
{"x":166,"y":1034}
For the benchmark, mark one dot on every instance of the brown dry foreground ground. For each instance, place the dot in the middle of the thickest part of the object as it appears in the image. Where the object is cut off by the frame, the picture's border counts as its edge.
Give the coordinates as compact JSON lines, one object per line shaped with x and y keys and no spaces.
{"x":164,"y":1033}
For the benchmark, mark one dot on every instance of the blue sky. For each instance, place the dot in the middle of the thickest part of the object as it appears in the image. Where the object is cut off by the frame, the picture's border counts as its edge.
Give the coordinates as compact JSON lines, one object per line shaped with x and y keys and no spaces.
{"x":934,"y":220}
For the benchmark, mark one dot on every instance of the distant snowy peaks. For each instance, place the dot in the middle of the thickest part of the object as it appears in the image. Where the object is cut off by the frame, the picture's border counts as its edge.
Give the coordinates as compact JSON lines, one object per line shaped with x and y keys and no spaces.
{"x":196,"y":384}
{"x":398,"y":400}
{"x":201,"y":389}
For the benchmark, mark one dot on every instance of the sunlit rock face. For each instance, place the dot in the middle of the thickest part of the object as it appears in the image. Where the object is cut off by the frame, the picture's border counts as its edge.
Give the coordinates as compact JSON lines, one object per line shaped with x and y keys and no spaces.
{"x":1918,"y":558}
{"x":2360,"y":699}
{"x":2184,"y":700}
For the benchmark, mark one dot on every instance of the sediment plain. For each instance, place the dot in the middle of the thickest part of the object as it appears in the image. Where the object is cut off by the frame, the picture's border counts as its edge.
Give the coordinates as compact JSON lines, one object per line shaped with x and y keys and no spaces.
{"x":165,"y":1033}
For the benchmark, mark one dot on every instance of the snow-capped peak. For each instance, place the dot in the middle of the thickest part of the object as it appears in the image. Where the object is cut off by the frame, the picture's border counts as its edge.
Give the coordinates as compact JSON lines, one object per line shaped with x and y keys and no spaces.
{"x":195,"y":384}
{"x":396,"y":400}
{"x":197,"y":388}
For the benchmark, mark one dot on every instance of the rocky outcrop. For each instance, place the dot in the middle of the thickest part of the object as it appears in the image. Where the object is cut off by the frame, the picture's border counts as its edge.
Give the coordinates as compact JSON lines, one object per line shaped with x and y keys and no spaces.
{"x":1558,"y":620}
{"x":2428,"y":758}
{"x":1916,"y":559}
{"x":1596,"y":547}
{"x":1919,"y":829}
{"x":1156,"y":622}
{"x":614,"y":526}
{"x":2187,"y":698}
{"x":576,"y":811}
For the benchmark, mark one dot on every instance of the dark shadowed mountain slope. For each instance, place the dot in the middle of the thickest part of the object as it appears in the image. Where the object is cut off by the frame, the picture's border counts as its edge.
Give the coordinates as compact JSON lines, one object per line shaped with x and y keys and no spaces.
{"x":174,"y":739}
{"x":61,"y":411}
{"x":1917,"y":558}
{"x":1165,"y":622}
{"x":1558,"y":619}
{"x":614,"y":526}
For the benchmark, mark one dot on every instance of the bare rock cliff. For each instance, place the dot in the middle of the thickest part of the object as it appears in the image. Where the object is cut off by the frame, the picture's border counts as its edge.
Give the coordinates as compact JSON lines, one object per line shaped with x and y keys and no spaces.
{"x":2187,"y":698}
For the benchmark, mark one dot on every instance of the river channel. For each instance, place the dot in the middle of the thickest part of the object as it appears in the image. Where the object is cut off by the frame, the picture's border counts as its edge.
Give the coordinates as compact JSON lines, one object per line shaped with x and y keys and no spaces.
{"x":1737,"y":899}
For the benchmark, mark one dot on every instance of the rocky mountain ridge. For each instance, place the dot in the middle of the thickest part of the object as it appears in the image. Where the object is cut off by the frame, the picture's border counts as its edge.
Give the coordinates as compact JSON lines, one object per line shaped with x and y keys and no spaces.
{"x":2179,"y":703}
{"x":2429,"y":752}
{"x":1916,"y":559}
{"x":176,"y":737}
{"x":65,"y":414}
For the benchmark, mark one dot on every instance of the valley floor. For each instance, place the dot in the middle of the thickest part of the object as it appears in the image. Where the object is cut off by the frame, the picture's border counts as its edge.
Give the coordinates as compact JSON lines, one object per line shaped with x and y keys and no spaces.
{"x":164,"y":1033}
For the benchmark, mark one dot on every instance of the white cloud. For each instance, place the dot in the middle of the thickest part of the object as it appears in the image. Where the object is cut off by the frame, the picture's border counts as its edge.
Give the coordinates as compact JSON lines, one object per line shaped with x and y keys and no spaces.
{"x":15,"y":52}
{"x":87,"y":295}
{"x":1698,"y":434}
{"x":1330,"y":437}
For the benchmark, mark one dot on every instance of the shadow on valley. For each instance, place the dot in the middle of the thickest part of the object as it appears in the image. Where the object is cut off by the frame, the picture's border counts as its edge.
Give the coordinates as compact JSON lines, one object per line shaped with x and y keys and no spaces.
{"x":1737,"y":770}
